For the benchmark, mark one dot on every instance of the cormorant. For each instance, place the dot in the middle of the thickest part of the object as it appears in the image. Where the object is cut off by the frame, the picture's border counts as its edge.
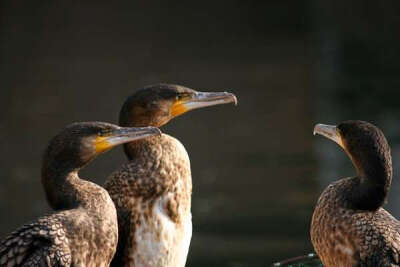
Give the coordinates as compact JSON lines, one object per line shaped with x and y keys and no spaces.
{"x":84,"y":231}
{"x":152,"y":192}
{"x":349,"y":226}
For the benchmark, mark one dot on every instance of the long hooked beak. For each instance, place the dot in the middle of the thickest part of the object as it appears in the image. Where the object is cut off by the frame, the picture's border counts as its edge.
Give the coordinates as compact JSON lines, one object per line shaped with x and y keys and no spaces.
{"x":330,"y":132}
{"x":124,"y":135}
{"x":201,"y":100}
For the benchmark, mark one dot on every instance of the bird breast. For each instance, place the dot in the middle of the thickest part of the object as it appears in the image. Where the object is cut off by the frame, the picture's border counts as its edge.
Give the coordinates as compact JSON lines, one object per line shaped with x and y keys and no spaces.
{"x":160,"y":240}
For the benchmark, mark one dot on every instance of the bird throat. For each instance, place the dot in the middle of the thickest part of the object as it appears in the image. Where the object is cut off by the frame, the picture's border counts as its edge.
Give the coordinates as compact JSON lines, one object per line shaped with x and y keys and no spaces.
{"x":135,"y":149}
{"x":370,"y":188}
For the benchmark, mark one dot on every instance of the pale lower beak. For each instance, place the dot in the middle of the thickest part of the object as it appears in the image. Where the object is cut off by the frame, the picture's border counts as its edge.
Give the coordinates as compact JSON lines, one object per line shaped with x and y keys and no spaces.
{"x":129,"y":134}
{"x":205,"y":99}
{"x":330,"y":132}
{"x":124,"y":135}
{"x":201,"y":100}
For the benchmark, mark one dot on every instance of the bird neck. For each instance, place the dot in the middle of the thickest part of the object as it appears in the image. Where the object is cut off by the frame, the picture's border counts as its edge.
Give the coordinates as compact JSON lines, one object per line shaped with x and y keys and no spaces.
{"x":373,"y":184}
{"x":62,"y":187}
{"x":137,"y":148}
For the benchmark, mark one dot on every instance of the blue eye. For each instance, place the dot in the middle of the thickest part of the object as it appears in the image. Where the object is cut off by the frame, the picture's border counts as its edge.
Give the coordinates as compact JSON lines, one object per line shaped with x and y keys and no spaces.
{"x":104,"y":132}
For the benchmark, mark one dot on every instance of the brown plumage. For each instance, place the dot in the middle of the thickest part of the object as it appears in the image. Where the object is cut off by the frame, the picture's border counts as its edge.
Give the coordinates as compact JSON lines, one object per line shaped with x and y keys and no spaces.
{"x":349,"y":226}
{"x":152,"y":192}
{"x":84,"y":231}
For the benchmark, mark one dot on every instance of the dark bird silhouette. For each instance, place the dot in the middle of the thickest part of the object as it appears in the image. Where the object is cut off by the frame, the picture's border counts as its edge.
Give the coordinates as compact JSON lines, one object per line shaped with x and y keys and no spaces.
{"x":349,"y":226}
{"x":152,"y":192}
{"x":84,"y":231}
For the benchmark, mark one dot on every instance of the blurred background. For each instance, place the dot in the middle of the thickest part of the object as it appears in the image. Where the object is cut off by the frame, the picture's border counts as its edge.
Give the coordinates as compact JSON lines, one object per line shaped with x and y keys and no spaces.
{"x":257,"y":169}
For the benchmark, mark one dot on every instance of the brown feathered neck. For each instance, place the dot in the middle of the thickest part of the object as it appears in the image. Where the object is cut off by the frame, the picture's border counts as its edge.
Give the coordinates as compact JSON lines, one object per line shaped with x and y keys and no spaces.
{"x":62,"y":160}
{"x":370,"y":153}
{"x":63,"y":187}
{"x":139,"y":148}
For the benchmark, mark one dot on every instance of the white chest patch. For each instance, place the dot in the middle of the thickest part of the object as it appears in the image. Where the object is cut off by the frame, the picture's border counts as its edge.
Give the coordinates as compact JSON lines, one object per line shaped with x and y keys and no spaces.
{"x":160,"y":241}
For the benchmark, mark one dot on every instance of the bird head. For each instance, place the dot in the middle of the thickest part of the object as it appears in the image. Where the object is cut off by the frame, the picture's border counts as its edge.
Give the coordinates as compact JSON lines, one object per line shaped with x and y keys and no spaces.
{"x":157,"y":104}
{"x":79,"y":143}
{"x":364,"y":143}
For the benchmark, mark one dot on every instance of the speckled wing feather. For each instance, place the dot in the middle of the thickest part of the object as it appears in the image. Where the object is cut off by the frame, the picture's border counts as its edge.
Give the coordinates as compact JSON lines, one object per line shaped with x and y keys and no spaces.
{"x":41,"y":243}
{"x":347,"y":237}
{"x":379,"y":235}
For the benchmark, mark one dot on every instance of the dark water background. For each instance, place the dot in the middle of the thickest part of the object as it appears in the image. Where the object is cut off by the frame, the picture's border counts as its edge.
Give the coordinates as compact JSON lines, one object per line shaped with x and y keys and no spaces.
{"x":257,"y":169}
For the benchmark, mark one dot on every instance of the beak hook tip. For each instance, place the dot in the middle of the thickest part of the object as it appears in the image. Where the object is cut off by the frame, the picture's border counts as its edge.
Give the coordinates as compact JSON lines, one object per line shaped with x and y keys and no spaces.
{"x":234,"y":98}
{"x":235,"y":101}
{"x":316,"y":128}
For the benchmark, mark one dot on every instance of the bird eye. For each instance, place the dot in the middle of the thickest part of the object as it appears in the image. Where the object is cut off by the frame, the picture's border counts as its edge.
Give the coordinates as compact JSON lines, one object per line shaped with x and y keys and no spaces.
{"x":104,"y":132}
{"x":181,"y":96}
